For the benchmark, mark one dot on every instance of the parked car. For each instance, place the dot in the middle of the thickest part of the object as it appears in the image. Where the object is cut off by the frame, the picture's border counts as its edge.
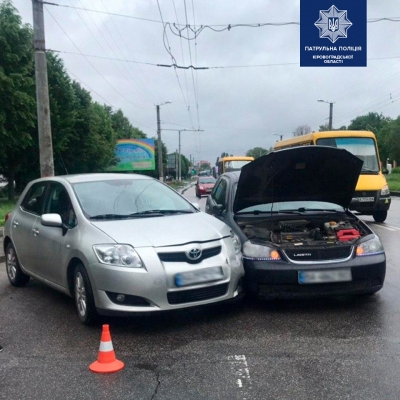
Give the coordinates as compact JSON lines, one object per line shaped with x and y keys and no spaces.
{"x":290,"y":210}
{"x":120,"y":244}
{"x":204,"y":185}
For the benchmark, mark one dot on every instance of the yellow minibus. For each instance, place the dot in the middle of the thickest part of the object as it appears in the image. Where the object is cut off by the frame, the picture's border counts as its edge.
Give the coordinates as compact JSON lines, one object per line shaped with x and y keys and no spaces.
{"x":372,"y":195}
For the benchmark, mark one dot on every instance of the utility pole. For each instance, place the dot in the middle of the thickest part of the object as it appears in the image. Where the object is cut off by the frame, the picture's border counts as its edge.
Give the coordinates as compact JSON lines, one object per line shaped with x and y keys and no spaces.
{"x":42,"y":92}
{"x":159,"y":147}
{"x":330,"y":111}
{"x":330,"y":115}
{"x":179,"y":146}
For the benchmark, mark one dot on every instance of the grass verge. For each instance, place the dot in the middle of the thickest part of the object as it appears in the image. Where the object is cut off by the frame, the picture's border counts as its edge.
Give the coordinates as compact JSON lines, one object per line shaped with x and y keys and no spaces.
{"x":5,"y":207}
{"x":393,"y":181}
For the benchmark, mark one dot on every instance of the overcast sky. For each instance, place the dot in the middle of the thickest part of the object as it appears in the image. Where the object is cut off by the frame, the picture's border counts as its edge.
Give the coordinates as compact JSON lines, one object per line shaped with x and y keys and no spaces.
{"x":259,"y":90}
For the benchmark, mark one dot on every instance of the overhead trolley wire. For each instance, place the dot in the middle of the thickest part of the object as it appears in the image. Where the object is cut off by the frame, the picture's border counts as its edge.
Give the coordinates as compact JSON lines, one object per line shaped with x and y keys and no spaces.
{"x":80,"y":52}
{"x":166,"y":42}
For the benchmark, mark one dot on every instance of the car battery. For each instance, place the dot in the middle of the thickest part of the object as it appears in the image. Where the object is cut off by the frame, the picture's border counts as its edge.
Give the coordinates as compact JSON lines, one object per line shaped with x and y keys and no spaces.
{"x":344,"y":235}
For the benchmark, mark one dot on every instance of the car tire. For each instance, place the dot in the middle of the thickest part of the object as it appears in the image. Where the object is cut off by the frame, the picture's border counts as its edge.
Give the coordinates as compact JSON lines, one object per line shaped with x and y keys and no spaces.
{"x":380,"y":216}
{"x":83,"y":295}
{"x":14,"y":272}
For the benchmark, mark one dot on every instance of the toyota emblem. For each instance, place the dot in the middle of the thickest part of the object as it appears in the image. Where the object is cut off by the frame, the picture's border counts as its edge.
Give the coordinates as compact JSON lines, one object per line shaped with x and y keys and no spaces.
{"x":194,"y":254}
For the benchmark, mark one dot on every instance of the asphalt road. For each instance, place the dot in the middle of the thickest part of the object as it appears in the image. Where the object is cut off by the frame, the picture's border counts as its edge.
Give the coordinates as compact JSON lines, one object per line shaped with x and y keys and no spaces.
{"x":336,"y":348}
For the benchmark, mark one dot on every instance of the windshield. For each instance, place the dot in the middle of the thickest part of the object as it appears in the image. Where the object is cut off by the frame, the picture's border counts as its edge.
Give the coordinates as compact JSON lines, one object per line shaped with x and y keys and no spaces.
{"x":363,"y":148}
{"x":126,"y":197}
{"x":300,"y":206}
{"x":235,"y":165}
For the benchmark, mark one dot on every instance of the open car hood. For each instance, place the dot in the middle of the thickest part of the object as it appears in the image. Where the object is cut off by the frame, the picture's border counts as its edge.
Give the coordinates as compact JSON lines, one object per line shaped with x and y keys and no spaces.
{"x":307,"y":173}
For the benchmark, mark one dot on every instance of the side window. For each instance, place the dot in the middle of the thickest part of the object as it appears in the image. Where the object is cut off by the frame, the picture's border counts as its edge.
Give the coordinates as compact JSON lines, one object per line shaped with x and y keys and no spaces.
{"x":33,"y":200}
{"x":219,"y":193}
{"x":60,"y":203}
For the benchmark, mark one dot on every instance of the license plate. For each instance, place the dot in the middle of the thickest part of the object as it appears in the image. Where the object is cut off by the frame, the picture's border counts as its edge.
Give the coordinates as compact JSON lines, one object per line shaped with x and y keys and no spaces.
{"x":364,"y":199}
{"x":199,"y":276}
{"x":326,"y":276}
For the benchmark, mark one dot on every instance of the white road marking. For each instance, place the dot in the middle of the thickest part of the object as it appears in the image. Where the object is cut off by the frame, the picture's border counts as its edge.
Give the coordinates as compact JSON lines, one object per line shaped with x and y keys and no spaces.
{"x":387,"y":227}
{"x":241,"y":370}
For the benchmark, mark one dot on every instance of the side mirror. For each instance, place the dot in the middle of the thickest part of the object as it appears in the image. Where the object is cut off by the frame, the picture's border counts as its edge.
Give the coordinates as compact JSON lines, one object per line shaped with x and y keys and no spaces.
{"x":51,"y":220}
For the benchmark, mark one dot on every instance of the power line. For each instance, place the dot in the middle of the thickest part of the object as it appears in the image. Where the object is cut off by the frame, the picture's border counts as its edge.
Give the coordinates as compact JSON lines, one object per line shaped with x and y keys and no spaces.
{"x":66,"y":34}
{"x":165,"y":38}
{"x":110,"y":47}
{"x":101,"y":97}
{"x":198,"y":68}
{"x":227,"y":26}
{"x":183,"y":56}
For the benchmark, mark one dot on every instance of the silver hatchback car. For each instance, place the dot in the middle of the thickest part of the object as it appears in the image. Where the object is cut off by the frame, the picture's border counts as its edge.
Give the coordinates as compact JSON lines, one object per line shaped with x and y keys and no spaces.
{"x":120,"y":244}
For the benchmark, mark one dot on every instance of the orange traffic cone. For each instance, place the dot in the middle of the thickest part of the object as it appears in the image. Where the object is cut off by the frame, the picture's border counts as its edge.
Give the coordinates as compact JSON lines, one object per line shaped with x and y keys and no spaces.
{"x":106,"y":360}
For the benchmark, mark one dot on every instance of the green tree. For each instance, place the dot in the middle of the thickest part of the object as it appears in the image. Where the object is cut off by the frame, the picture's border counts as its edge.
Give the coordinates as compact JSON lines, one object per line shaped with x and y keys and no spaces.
{"x":92,"y":140}
{"x":302,"y":130}
{"x":324,"y":128}
{"x":257,"y":152}
{"x":17,"y":92}
{"x":122,"y":127}
{"x":389,"y":141}
{"x":370,"y":122}
{"x":375,"y":123}
{"x":185,"y":165}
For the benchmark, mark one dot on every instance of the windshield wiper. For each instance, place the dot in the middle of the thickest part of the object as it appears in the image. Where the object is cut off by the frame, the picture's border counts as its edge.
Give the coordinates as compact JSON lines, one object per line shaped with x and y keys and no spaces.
{"x":175,"y":211}
{"x":110,"y":216}
{"x":303,"y":209}
{"x":371,"y":171}
{"x":257,"y":212}
{"x":142,"y":214}
{"x":160,"y":212}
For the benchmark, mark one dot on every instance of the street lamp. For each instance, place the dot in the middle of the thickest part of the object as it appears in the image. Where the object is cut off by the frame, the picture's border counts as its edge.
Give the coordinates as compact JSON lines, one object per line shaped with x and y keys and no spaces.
{"x":280,"y":136}
{"x":159,"y":147}
{"x":330,"y":111}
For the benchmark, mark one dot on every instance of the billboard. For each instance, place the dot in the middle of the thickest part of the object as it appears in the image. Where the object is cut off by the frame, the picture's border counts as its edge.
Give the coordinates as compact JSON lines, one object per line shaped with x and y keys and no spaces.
{"x":134,"y":155}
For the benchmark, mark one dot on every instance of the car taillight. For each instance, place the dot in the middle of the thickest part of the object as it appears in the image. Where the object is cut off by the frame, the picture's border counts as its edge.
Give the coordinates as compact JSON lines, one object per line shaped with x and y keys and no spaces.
{"x":7,"y":216}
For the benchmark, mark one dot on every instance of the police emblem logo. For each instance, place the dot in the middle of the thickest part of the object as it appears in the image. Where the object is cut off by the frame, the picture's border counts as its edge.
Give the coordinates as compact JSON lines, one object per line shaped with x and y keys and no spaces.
{"x":333,"y":24}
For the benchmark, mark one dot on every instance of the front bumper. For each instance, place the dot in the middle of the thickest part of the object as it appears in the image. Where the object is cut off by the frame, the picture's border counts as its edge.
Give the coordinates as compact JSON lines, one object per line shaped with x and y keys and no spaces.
{"x":379,"y":203}
{"x":280,"y":279}
{"x":153,"y":289}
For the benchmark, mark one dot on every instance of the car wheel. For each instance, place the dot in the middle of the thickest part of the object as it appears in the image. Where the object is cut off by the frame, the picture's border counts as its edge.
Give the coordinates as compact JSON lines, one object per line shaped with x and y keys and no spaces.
{"x":83,"y":295}
{"x":380,"y":216}
{"x":14,"y":272}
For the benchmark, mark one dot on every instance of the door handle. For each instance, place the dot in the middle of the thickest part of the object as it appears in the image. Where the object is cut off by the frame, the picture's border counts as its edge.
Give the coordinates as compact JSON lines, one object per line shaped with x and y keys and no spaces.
{"x":35,"y":231}
{"x":15,"y":223}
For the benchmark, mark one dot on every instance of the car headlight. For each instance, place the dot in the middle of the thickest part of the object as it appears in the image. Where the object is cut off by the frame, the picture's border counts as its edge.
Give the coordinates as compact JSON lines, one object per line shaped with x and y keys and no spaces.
{"x":256,"y":251}
{"x":120,"y":255}
{"x":385,"y":191}
{"x":237,"y":244}
{"x":370,"y":247}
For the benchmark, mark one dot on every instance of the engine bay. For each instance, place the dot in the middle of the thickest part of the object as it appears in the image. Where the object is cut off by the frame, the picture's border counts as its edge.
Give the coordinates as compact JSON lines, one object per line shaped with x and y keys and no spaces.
{"x":304,"y":232}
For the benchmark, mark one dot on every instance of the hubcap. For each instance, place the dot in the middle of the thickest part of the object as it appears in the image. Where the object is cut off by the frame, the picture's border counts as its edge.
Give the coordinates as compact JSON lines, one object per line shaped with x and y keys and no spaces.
{"x":11,"y":264}
{"x":80,"y":294}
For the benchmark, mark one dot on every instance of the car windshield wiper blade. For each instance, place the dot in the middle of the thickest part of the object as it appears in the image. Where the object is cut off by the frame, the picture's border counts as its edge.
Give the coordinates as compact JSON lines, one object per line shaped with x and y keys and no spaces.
{"x":163,"y":212}
{"x":110,"y":216}
{"x":303,"y":209}
{"x":257,"y":212}
{"x":369,"y":170}
{"x":142,"y":214}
